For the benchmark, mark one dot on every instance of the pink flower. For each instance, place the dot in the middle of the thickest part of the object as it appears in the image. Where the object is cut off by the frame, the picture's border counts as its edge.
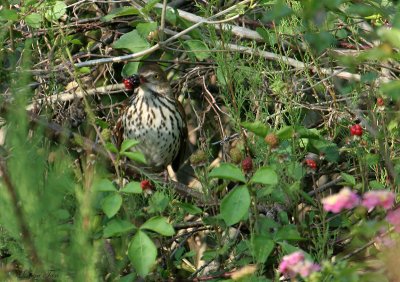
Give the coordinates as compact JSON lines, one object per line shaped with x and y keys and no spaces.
{"x":345,"y":199}
{"x":295,"y":263}
{"x":382,"y":198}
{"x":393,"y":217}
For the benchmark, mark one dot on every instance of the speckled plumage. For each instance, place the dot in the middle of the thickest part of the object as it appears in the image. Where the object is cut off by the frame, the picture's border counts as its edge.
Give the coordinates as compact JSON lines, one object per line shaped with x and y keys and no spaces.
{"x":156,"y":119}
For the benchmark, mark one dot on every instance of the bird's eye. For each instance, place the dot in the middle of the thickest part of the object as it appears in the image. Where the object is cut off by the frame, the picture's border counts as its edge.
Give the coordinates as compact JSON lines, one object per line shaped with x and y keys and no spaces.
{"x":156,"y":76}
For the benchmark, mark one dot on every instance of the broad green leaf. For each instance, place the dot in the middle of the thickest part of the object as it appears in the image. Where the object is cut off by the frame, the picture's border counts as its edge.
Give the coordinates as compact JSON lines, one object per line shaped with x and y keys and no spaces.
{"x":262,"y":246}
{"x":235,"y":206}
{"x":160,"y":225}
{"x":111,"y":204}
{"x":258,"y":128}
{"x":144,"y":29}
{"x":130,"y":68}
{"x":348,"y":179}
{"x":285,"y":133}
{"x":120,"y":12}
{"x":159,"y":201}
{"x":34,"y":20}
{"x":111,"y":147}
{"x":391,"y":36}
{"x":329,"y":149}
{"x":142,"y":253}
{"x":56,"y":11}
{"x":117,"y":227}
{"x":104,"y":185}
{"x":268,"y":37}
{"x":376,"y":185}
{"x":391,"y":89}
{"x":132,"y":188}
{"x":135,"y":156}
{"x":192,"y":209}
{"x":149,"y":6}
{"x":8,"y":15}
{"x":265,"y":175}
{"x":127,"y":144}
{"x":278,"y":12}
{"x":321,"y":40}
{"x":287,"y":232}
{"x":228,"y":171}
{"x":132,"y":42}
{"x":296,"y":171}
{"x":199,"y":49}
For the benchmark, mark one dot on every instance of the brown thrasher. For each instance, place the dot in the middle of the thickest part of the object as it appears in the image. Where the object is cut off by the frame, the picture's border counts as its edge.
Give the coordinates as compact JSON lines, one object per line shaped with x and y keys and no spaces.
{"x":155,"y":118}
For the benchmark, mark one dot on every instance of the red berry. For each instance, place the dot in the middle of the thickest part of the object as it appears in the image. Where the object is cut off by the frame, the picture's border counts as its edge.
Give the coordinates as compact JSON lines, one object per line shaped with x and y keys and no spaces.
{"x":247,"y":165}
{"x":356,"y":130}
{"x":380,"y":102}
{"x":311,"y":164}
{"x":146,"y":185}
{"x":127,"y":83}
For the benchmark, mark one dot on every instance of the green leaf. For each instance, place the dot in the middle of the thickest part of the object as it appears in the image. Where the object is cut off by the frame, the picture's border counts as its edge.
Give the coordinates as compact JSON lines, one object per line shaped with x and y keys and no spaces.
{"x":144,"y":29}
{"x":192,"y":209}
{"x":149,"y":6}
{"x":376,"y":185}
{"x":132,"y":188}
{"x":348,"y":179}
{"x":111,"y":204}
{"x":117,"y":227}
{"x":258,"y":128}
{"x":228,"y":171}
{"x":132,"y":42}
{"x":329,"y":149}
{"x":135,"y":156}
{"x":262,"y":247}
{"x":160,"y":225}
{"x":120,"y":12}
{"x":289,"y":233}
{"x":34,"y":20}
{"x":268,"y":37}
{"x":104,"y":185}
{"x":56,"y":11}
{"x":235,"y":206}
{"x":391,"y":36}
{"x":265,"y":175}
{"x":391,"y":89}
{"x":111,"y":147}
{"x":199,"y":49}
{"x":278,"y":12}
{"x":142,"y":253}
{"x":159,"y":201}
{"x":8,"y":15}
{"x":285,"y":133}
{"x":127,"y":144}
{"x":130,"y":68}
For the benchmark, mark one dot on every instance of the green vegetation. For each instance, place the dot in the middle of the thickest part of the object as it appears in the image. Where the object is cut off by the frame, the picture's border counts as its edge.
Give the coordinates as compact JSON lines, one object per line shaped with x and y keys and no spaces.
{"x":288,"y":103}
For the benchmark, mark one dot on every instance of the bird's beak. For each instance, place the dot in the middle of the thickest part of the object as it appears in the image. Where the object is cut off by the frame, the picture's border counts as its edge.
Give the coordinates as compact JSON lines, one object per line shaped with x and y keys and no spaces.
{"x":142,"y":79}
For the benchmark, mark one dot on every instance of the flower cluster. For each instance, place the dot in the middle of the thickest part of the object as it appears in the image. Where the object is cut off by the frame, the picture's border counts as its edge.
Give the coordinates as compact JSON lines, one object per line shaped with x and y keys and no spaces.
{"x":382,"y":198}
{"x":393,"y":217}
{"x":345,"y":199}
{"x":296,"y":264}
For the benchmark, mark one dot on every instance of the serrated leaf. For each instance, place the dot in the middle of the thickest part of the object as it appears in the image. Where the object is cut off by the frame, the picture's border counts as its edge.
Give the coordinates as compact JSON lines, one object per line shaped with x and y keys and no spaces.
{"x":142,"y":253}
{"x":132,"y":42}
{"x":8,"y":15}
{"x":117,"y":227}
{"x":144,"y":29}
{"x":192,"y":209}
{"x":198,"y":48}
{"x":104,"y":185}
{"x":258,"y":128}
{"x":34,"y":20}
{"x":289,"y":233}
{"x":120,"y":12}
{"x":127,"y":144}
{"x":111,"y":204}
{"x":160,"y":225}
{"x":130,"y":68}
{"x":265,"y":175}
{"x":56,"y":11}
{"x":132,"y":188}
{"x":235,"y":206}
{"x":262,"y":246}
{"x":348,"y":179}
{"x":135,"y":156}
{"x":228,"y":171}
{"x":285,"y":133}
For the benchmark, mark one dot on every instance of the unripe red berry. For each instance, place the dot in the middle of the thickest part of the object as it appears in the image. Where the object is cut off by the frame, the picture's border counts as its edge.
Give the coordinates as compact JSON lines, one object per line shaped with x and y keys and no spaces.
{"x":356,"y":130}
{"x":380,"y":102}
{"x":247,"y":165}
{"x":272,"y":140}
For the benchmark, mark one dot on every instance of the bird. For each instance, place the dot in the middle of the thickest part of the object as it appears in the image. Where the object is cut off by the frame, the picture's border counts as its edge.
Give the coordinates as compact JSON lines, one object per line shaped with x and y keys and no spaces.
{"x":155,"y":118}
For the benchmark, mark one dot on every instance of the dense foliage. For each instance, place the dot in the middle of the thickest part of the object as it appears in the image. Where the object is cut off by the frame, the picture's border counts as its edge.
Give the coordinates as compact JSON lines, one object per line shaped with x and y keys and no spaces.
{"x":293,"y":115}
